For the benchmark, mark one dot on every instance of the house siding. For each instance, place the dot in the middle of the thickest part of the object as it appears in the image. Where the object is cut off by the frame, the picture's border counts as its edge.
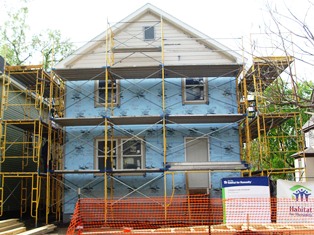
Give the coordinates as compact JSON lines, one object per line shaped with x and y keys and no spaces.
{"x":141,"y":93}
{"x":179,"y":47}
{"x":140,"y":97}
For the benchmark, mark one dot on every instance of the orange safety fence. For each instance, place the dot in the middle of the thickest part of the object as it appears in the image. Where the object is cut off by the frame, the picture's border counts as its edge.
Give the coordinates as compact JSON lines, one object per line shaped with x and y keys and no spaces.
{"x":197,"y":214}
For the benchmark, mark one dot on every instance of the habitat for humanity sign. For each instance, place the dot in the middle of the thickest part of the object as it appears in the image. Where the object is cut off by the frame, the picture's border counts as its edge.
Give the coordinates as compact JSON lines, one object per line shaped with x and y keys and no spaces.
{"x":246,"y":199}
{"x":295,"y":202}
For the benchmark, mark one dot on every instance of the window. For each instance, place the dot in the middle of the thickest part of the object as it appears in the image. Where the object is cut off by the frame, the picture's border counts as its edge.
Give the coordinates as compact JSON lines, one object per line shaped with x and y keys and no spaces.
{"x":149,"y":33}
{"x":132,"y":154}
{"x":100,"y":95}
{"x":195,"y":91}
{"x":111,"y":150}
{"x":121,"y":154}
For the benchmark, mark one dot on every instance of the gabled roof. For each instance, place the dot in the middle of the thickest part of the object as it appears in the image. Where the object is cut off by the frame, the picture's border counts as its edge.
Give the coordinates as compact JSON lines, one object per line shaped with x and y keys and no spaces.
{"x":308,"y":152}
{"x":309,"y":125}
{"x":237,"y":58}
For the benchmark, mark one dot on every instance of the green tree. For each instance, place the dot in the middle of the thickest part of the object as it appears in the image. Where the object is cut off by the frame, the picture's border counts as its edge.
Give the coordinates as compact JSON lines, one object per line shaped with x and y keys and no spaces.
{"x":52,"y":47}
{"x":286,"y":139}
{"x":19,"y":48}
{"x":14,"y":46}
{"x":291,"y":34}
{"x":287,"y":34}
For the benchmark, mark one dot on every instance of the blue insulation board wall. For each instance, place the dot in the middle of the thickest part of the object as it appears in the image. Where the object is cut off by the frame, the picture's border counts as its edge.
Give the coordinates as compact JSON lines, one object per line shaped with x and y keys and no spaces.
{"x":144,"y":97}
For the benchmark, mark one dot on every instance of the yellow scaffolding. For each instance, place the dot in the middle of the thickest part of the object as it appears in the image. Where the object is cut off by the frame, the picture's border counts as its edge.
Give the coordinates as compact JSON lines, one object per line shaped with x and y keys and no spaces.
{"x":43,"y":98}
{"x":110,"y":74}
{"x":31,"y":144}
{"x":263,"y":117}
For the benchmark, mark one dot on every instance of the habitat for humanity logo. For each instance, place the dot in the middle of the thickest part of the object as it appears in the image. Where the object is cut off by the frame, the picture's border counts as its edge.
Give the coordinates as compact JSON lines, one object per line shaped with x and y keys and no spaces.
{"x":300,"y":193}
{"x":301,"y":207}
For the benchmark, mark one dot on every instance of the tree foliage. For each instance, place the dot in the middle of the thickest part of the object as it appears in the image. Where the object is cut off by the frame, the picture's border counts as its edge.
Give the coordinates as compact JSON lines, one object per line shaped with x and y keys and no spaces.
{"x":292,"y":34}
{"x":282,"y":141}
{"x":290,"y":93}
{"x":52,"y":47}
{"x":18,"y":47}
{"x":14,"y":44}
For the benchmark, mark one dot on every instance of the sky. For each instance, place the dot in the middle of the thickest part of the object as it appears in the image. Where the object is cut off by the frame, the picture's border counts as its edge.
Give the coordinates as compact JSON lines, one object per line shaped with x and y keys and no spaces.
{"x":81,"y":20}
{"x":225,"y":20}
{"x":88,"y":20}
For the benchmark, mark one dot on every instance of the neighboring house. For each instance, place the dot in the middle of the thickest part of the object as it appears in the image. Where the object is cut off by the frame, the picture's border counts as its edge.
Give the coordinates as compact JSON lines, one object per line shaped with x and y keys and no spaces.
{"x":157,"y":99}
{"x":25,"y":132}
{"x":11,"y":192}
{"x":306,"y":158}
{"x":10,"y":200}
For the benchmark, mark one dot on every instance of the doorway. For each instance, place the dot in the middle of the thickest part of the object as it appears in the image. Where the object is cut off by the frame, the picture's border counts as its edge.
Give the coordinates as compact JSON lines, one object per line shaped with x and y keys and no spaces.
{"x":197,"y":150}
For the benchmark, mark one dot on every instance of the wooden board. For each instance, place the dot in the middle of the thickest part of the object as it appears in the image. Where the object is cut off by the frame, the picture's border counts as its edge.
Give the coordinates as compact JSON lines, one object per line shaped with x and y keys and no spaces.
{"x":41,"y":230}
{"x":11,"y":226}
{"x":8,"y":222}
{"x":14,"y":231}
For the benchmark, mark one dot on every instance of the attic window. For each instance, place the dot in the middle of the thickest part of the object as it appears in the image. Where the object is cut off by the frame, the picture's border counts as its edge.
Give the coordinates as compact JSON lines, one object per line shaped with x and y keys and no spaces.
{"x":149,"y":33}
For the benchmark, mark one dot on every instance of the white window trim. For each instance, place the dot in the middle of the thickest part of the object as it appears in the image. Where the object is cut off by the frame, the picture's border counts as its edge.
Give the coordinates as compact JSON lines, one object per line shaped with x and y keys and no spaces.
{"x":125,"y":156}
{"x":144,"y":29}
{"x":101,"y":104}
{"x":205,"y":92}
{"x":96,"y":166}
{"x":119,"y":152}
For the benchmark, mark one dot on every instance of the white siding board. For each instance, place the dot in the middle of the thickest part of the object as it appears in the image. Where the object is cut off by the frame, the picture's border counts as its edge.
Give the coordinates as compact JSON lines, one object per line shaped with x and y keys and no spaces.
{"x":180,"y":48}
{"x":136,"y":59}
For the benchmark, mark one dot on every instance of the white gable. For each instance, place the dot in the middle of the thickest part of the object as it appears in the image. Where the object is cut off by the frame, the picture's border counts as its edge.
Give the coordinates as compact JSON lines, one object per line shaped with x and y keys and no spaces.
{"x":182,"y":45}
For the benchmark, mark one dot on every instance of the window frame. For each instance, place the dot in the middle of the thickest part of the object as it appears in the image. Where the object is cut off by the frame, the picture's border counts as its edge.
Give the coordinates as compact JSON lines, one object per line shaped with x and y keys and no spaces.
{"x":97,"y":149}
{"x":136,"y":155}
{"x":119,"y":154}
{"x":196,"y":101}
{"x":116,"y":93}
{"x":145,"y":30}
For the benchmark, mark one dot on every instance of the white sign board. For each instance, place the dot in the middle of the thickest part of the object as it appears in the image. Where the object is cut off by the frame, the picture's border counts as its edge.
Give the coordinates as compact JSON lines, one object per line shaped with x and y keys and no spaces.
{"x":295,"y":202}
{"x":246,"y":199}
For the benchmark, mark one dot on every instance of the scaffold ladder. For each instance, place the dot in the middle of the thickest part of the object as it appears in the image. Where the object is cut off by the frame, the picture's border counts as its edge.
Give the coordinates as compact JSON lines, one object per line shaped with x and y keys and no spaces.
{"x":3,"y":141}
{"x":23,"y":206}
{"x":1,"y":193}
{"x":39,"y":90}
{"x":5,"y":92}
{"x":37,"y":141}
{"x":35,"y":196}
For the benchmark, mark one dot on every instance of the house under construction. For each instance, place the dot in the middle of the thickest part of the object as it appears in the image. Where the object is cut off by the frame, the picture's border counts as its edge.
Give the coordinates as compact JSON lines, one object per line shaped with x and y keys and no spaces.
{"x":149,"y":111}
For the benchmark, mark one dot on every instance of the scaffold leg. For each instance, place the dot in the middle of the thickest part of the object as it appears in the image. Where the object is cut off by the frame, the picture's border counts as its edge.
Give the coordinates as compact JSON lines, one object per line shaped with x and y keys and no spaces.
{"x":1,"y":194}
{"x":23,"y":207}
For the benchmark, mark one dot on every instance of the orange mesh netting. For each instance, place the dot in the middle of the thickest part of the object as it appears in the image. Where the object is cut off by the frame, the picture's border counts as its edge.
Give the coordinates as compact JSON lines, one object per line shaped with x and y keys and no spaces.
{"x":188,"y":215}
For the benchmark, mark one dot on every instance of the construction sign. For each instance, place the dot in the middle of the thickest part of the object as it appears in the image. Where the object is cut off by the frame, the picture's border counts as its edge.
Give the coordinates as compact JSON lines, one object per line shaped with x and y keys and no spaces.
{"x":246,"y":199}
{"x":295,"y":202}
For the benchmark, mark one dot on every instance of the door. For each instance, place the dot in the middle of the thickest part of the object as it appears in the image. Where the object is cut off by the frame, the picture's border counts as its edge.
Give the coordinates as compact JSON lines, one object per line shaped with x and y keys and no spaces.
{"x":196,"y":150}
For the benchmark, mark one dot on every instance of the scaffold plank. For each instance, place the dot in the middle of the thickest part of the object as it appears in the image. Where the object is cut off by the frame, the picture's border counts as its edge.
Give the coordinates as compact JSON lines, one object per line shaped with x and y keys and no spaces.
{"x":149,"y":120}
{"x":78,"y":74}
{"x":8,"y":222}
{"x":11,"y":226}
{"x":41,"y":230}
{"x":14,"y":231}
{"x":266,"y":69}
{"x":203,"y":166}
